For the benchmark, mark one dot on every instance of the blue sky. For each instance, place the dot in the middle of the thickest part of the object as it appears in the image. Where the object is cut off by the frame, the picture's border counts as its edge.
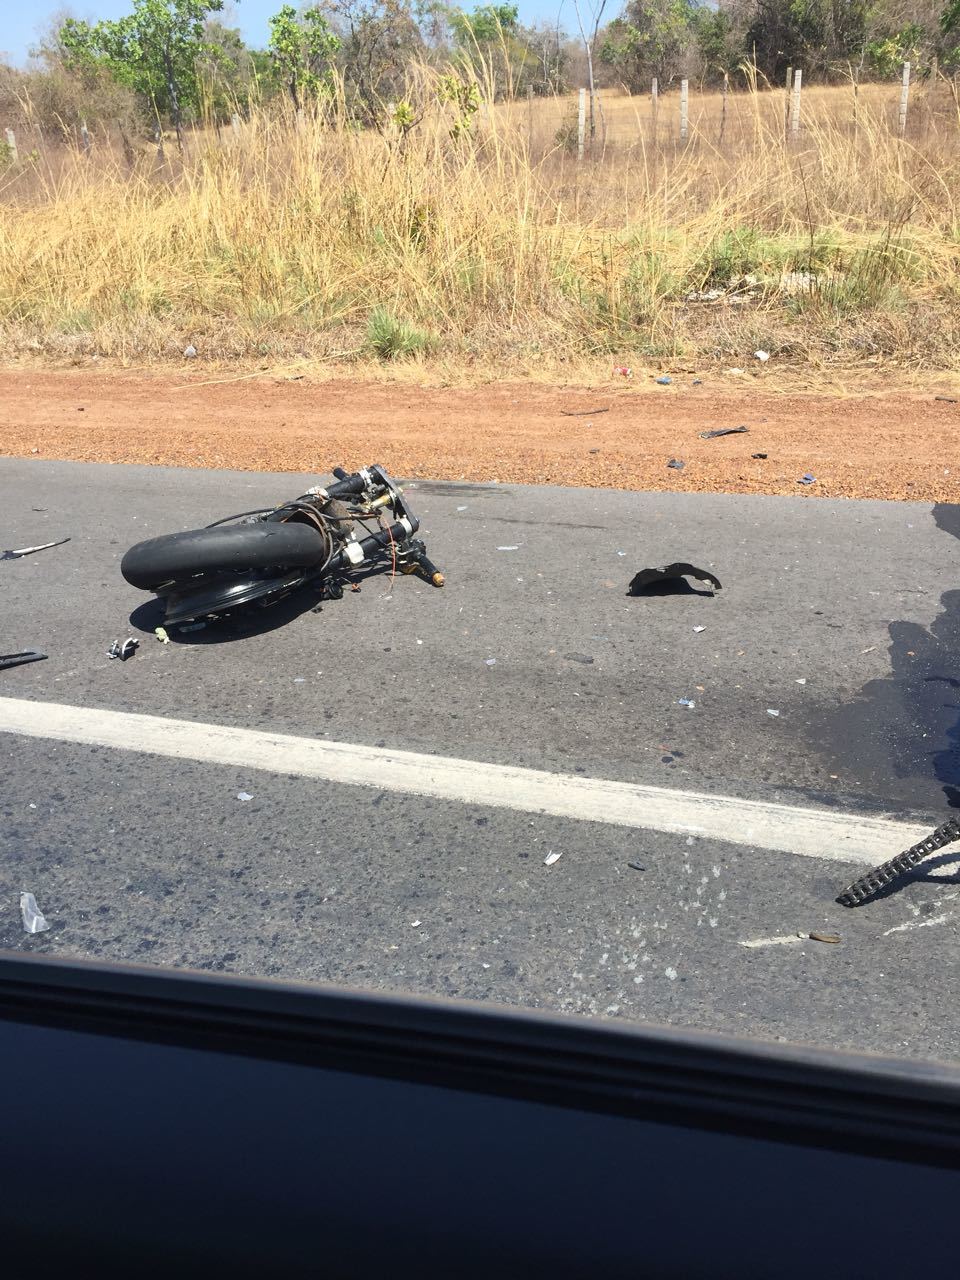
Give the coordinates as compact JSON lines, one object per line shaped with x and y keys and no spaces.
{"x":21,"y":24}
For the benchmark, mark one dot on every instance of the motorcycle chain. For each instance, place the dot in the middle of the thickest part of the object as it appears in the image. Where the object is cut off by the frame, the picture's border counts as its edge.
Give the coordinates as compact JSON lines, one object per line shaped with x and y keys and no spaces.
{"x":864,"y":888}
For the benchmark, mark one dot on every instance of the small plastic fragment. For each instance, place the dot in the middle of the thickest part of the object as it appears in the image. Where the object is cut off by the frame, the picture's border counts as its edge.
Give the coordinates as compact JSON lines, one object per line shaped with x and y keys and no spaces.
{"x":800,"y":680}
{"x":686,"y":702}
{"x":415,"y":924}
{"x":676,"y":464}
{"x":244,"y":795}
{"x":624,"y":371}
{"x":724,"y":431}
{"x":697,"y":382}
{"x":461,"y":508}
{"x":772,"y":711}
{"x":28,"y":551}
{"x":636,"y":866}
{"x":807,"y":478}
{"x":825,"y":937}
{"x":551,"y":858}
{"x":123,"y":650}
{"x":489,"y":662}
{"x":664,"y":380}
{"x":508,"y":548}
{"x":161,"y":634}
{"x":34,"y":920}
{"x":579,"y":657}
{"x":758,"y":455}
{"x":18,"y":659}
{"x":762,"y":356}
{"x":190,"y":352}
{"x":699,"y":629}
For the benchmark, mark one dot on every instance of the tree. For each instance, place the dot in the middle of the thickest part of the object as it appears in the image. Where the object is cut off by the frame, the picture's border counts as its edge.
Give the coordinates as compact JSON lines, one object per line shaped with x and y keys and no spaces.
{"x":485,"y":25}
{"x":651,"y":39}
{"x":301,"y":50}
{"x":225,"y":70}
{"x":493,"y":42}
{"x":547,"y":43}
{"x":153,"y":50}
{"x":589,"y":44}
{"x":379,"y":40}
{"x":719,"y":43}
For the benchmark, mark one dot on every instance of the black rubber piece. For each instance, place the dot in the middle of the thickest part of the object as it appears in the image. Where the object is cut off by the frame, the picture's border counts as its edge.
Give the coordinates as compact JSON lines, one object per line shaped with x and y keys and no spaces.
{"x":262,"y":545}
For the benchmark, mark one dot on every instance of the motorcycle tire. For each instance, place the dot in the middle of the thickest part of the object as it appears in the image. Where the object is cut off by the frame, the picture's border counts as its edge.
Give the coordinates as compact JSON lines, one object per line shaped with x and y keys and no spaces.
{"x":226,"y":548}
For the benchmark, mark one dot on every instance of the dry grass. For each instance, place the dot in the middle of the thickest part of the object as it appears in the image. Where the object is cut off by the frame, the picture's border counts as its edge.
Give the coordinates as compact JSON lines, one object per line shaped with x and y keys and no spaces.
{"x":502,"y":251}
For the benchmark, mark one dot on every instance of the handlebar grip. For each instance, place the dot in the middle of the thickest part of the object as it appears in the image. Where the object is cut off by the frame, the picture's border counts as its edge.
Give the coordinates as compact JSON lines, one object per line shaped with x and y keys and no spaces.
{"x":345,"y":488}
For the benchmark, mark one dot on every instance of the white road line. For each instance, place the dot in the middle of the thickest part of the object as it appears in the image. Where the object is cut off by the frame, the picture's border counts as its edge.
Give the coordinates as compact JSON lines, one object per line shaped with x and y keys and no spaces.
{"x":809,"y":833}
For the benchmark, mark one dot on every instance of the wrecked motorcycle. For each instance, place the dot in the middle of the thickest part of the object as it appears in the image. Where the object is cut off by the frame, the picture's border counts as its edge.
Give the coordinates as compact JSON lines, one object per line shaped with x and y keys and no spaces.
{"x":261,"y":556}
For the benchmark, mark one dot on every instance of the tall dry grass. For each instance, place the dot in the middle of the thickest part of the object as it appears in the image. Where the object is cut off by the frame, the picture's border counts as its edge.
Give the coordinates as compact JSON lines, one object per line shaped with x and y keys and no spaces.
{"x":501,"y":249}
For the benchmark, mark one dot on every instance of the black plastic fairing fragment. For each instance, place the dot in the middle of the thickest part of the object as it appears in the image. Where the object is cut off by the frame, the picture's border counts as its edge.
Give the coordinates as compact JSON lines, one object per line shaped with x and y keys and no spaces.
{"x":681,"y":569}
{"x":18,"y":659}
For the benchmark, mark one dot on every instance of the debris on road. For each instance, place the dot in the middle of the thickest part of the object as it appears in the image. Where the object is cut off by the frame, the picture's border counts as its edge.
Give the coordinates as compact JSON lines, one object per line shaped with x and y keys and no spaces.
{"x":18,"y":659}
{"x":723,"y":431}
{"x":161,"y":634}
{"x":772,"y":711}
{"x":463,"y":508}
{"x":686,"y":702}
{"x":762,"y":356}
{"x":415,"y":924}
{"x":517,"y":548}
{"x":800,"y":680}
{"x":489,"y":662}
{"x":123,"y":650}
{"x":759,"y":456}
{"x":777,"y":940}
{"x":817,"y":936}
{"x":578,"y":657}
{"x":647,"y":578}
{"x":664,"y":380}
{"x":583,"y":413}
{"x":676,"y":464}
{"x":879,"y":878}
{"x":244,"y":795}
{"x":699,"y":629}
{"x":34,"y":921}
{"x":28,"y":551}
{"x":551,"y":858}
{"x":636,"y":866}
{"x":807,"y":478}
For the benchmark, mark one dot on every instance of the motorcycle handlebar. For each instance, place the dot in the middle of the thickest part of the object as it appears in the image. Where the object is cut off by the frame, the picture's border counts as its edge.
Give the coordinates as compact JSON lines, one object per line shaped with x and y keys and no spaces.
{"x":347,"y":487}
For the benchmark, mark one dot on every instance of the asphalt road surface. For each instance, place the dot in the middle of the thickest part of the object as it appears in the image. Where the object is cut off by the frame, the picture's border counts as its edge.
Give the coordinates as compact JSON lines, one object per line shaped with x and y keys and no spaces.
{"x":843,"y":617}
